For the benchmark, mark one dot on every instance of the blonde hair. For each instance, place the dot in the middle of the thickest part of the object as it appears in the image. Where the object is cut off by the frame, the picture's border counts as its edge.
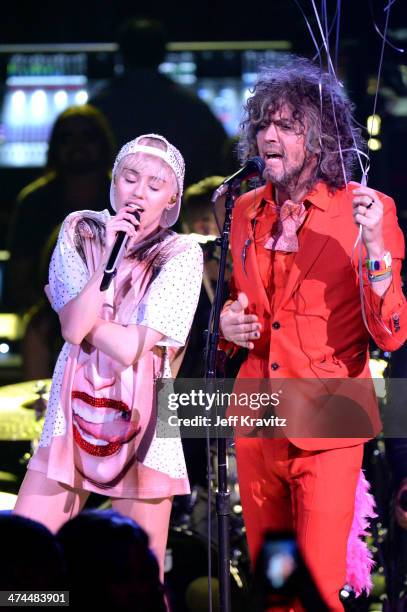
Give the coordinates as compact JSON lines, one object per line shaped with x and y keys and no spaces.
{"x":166,"y":171}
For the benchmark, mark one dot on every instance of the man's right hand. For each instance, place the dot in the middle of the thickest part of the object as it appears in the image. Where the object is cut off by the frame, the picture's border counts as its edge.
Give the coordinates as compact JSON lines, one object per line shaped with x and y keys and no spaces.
{"x":238,"y":327}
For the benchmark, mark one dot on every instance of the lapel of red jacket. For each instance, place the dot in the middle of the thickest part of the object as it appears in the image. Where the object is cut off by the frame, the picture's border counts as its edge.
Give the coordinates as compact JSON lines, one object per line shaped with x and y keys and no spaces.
{"x":248,"y":259}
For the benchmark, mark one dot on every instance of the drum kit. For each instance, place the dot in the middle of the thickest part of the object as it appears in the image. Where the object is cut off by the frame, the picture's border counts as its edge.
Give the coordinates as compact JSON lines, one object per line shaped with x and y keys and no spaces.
{"x":22,"y":409}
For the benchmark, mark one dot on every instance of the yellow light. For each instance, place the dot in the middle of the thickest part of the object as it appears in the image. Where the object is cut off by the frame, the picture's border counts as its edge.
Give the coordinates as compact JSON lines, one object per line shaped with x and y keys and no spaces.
{"x":377,"y":368}
{"x":374,"y":123}
{"x":372,"y":86}
{"x":7,"y":501}
{"x":81,"y":97}
{"x":202,"y":239}
{"x":11,"y":326}
{"x":374,"y":144}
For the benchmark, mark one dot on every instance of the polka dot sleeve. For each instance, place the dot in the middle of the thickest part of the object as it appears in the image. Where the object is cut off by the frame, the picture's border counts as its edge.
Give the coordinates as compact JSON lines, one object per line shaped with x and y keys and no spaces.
{"x":68,"y":273}
{"x":170,"y":303}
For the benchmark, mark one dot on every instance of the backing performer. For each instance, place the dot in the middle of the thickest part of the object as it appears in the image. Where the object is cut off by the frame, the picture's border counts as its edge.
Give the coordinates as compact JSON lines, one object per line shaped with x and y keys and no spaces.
{"x":100,"y":428}
{"x":295,"y":304}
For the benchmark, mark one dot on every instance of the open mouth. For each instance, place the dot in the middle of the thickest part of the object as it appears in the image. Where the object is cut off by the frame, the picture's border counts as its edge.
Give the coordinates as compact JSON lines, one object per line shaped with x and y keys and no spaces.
{"x":101,"y":425}
{"x":135,"y":205}
{"x":273,"y":156}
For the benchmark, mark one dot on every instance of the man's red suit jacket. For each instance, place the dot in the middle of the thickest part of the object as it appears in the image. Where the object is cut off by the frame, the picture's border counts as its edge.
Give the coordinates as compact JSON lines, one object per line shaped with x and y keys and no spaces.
{"x":318,"y":331}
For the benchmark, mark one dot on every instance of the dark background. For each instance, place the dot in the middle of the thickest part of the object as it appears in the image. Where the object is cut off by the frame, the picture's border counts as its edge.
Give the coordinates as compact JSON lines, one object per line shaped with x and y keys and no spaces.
{"x":31,"y":22}
{"x":91,"y":21}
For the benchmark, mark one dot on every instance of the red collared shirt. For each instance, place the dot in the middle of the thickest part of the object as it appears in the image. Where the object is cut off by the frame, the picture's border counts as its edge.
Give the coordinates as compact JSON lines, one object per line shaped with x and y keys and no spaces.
{"x":274,"y":266}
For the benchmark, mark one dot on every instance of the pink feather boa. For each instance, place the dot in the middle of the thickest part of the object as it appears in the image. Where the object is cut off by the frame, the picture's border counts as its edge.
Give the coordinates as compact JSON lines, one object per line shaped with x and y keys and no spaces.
{"x":359,"y":561}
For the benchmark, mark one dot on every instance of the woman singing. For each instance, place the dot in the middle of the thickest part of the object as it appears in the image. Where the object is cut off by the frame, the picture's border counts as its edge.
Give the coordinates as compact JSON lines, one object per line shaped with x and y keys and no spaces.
{"x":100,"y":428}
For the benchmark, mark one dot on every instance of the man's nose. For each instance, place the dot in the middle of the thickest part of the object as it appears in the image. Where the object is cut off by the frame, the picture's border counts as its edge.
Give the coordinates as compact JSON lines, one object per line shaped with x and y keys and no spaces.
{"x":270,"y":133}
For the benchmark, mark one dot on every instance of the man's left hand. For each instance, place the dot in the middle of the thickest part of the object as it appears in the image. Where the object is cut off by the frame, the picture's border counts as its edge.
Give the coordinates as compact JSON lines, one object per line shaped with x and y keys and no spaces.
{"x":368,"y":212}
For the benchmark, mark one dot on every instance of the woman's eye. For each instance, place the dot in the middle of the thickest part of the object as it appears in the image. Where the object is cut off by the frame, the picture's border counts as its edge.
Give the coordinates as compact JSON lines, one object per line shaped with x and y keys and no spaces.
{"x":128,"y":180}
{"x":154,"y":188}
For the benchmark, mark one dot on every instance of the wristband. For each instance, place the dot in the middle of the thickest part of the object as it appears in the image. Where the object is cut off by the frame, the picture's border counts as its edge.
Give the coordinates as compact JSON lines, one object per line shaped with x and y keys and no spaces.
{"x":379,"y":265}
{"x":376,"y":278}
{"x":378,"y":272}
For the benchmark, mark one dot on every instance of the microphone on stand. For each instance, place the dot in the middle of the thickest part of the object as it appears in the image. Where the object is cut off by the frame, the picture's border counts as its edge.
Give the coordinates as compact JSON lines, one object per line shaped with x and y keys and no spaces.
{"x":115,"y":256}
{"x":253,"y":167}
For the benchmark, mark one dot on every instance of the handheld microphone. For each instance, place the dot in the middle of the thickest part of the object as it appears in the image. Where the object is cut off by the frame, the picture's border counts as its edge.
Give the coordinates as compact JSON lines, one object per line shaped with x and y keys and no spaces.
{"x":115,"y":256}
{"x":253,"y":167}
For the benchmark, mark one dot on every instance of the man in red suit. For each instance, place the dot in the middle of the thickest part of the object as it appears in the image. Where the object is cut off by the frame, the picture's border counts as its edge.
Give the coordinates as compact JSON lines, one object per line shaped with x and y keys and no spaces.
{"x":296,"y":305}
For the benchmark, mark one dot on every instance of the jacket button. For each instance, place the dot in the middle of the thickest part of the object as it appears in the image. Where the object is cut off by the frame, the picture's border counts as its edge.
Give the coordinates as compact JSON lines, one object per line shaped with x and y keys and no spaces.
{"x":276,"y":325}
{"x":274,"y":366}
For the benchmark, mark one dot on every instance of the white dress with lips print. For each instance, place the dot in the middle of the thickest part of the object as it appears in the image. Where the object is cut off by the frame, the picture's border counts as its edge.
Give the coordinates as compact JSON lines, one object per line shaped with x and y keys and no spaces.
{"x":167,"y":306}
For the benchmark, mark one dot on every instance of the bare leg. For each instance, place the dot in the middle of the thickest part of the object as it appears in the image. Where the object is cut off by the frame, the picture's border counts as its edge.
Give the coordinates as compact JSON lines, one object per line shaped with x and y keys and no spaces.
{"x":47,"y":501}
{"x":153,"y":515}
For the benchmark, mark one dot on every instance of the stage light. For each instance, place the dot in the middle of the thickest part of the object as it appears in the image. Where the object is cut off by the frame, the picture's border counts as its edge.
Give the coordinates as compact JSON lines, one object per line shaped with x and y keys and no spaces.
{"x":374,"y":144}
{"x":4,"y":348}
{"x":203,"y":239}
{"x":18,"y":101}
{"x":61,"y":99}
{"x":7,"y":501}
{"x":81,"y":97}
{"x":11,"y":326}
{"x":377,"y":368}
{"x":39,"y":103}
{"x":374,"y":123}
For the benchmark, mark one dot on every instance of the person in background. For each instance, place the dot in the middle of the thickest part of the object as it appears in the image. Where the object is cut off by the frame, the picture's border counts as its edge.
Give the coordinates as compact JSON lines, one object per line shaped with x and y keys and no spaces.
{"x":42,"y":341}
{"x":198,"y":219}
{"x":133,"y":101}
{"x":32,"y":558}
{"x":76,"y":177}
{"x":118,"y":571}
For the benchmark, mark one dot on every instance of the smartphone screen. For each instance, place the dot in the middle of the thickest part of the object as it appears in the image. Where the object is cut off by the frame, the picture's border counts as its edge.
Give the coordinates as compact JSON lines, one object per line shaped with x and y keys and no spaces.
{"x":281,"y":560}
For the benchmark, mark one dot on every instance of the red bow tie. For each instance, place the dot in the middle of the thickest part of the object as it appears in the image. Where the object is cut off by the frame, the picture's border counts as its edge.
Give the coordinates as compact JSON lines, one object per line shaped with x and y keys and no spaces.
{"x":291,"y":218}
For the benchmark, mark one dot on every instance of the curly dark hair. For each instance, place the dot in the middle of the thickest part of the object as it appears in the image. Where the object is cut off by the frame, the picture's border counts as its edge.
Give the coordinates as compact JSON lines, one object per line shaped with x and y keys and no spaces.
{"x":321,"y":108}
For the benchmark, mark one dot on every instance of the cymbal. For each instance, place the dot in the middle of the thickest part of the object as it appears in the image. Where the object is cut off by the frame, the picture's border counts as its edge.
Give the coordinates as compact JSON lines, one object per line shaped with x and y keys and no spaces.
{"x":22,"y":407}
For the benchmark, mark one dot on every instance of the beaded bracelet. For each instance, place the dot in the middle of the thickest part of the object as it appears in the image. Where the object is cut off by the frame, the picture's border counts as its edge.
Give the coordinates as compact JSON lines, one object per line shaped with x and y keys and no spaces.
{"x":379,"y":265}
{"x":375,"y":278}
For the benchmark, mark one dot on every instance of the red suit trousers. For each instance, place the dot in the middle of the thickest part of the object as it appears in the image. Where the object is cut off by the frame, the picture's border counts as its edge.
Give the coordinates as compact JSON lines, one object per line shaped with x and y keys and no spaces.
{"x":311,"y":492}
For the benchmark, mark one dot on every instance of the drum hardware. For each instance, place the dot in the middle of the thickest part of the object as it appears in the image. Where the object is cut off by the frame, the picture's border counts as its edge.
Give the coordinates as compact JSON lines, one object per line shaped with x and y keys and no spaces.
{"x":186,"y":568}
{"x":22,"y":407}
{"x":186,"y":571}
{"x":39,"y":405}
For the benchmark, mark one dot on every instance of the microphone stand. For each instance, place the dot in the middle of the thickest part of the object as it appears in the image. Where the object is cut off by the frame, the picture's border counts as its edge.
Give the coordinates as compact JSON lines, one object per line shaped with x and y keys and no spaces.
{"x":222,"y":493}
